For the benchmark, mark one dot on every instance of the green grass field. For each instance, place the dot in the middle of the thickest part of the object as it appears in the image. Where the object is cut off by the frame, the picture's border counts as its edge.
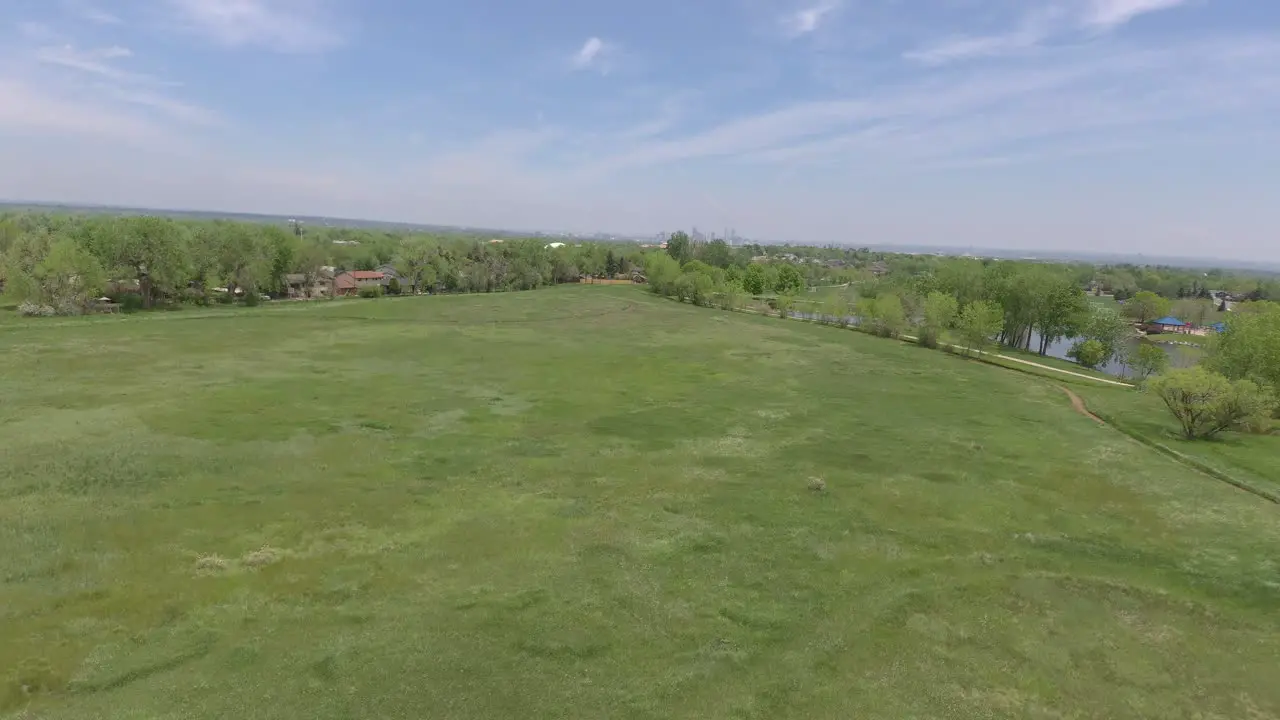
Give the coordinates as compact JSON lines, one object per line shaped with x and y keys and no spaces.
{"x":1253,"y":459}
{"x":592,"y":503}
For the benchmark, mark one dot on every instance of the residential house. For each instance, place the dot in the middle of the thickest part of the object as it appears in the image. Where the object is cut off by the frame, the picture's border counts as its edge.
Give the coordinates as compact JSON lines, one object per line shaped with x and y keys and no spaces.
{"x":389,"y":271}
{"x":351,"y":282}
{"x":300,"y":286}
{"x":879,"y":268}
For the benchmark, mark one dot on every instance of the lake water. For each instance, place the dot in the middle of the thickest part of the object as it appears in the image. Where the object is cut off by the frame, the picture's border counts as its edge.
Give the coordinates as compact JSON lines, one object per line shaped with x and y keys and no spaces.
{"x":1180,"y":356}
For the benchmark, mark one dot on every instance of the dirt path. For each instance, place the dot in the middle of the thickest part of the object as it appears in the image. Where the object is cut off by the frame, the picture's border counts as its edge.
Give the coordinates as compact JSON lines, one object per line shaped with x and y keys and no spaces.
{"x":1080,"y":407}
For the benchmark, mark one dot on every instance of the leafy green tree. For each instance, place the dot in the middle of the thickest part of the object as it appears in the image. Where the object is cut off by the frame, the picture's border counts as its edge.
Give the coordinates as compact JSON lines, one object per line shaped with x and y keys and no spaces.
{"x":1110,"y":331}
{"x":1206,"y":403}
{"x":1089,"y":353}
{"x":393,"y":286}
{"x":940,"y":312}
{"x":1196,"y":311}
{"x":413,"y":261}
{"x":70,"y":276}
{"x":789,"y":281}
{"x":716,"y":253}
{"x":1250,"y":347}
{"x":1059,"y":311}
{"x":754,"y":280}
{"x":151,"y":250}
{"x":979,"y":323}
{"x":1146,"y":306}
{"x":20,"y":262}
{"x":1148,"y":360}
{"x":244,"y":257}
{"x":283,"y":248}
{"x":680,"y":248}
{"x":662,"y":272}
{"x":884,"y":315}
{"x":309,"y":262}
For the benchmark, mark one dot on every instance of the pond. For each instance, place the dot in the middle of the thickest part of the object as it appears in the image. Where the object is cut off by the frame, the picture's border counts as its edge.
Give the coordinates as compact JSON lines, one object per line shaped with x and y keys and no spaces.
{"x":1180,"y":356}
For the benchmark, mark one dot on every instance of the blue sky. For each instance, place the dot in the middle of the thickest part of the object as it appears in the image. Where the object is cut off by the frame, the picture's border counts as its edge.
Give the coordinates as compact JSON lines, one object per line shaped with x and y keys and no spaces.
{"x":1127,"y":125}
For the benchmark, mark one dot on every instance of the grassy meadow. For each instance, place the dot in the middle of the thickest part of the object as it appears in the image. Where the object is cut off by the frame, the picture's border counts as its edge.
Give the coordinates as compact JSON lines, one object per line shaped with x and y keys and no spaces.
{"x":589,"y":502}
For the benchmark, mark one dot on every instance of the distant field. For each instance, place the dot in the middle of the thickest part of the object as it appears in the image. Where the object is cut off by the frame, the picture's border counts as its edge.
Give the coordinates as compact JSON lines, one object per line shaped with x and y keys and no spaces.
{"x":589,"y":502}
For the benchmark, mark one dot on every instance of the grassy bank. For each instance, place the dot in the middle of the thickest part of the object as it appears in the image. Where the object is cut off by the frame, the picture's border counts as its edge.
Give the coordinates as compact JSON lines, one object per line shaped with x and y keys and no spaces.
{"x":590,"y":502}
{"x":1252,"y":459}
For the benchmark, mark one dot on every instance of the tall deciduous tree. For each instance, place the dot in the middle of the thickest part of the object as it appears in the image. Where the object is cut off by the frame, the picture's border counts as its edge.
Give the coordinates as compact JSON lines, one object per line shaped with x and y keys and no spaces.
{"x":1059,"y":311}
{"x":1146,"y":306}
{"x":283,"y":248}
{"x":151,"y":250}
{"x":244,"y":257}
{"x":754,"y":280}
{"x":1148,"y":360}
{"x":413,"y":261}
{"x":980,"y":322}
{"x":679,"y":247}
{"x":940,"y":311}
{"x":789,"y":281}
{"x":716,"y":253}
{"x":69,"y":277}
{"x":1250,"y":347}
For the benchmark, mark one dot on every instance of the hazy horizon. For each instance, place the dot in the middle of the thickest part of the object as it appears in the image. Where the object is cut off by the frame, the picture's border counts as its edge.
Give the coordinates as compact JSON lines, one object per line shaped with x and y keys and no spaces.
{"x":904,"y":248}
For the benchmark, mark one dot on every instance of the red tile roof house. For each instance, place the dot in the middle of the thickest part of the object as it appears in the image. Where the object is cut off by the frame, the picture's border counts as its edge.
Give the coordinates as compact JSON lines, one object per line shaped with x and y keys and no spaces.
{"x":349,"y":283}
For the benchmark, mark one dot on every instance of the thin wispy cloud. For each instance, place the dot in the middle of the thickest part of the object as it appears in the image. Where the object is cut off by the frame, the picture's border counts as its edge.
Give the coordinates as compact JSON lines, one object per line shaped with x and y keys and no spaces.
{"x":1041,"y":24}
{"x":807,"y":20}
{"x":592,"y":55}
{"x":93,"y":14}
{"x":29,"y":108}
{"x":96,"y":62}
{"x":1114,"y":13}
{"x":287,"y":26}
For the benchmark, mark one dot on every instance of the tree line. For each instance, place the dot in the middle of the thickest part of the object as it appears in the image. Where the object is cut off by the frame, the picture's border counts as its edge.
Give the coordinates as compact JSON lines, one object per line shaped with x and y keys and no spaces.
{"x":60,"y":264}
{"x":973,"y":303}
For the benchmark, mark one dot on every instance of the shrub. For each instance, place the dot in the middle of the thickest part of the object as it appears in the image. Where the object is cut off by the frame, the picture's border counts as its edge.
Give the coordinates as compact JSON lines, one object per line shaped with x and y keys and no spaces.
{"x":662,"y":273}
{"x":30,"y":309}
{"x":940,"y":310}
{"x":371,"y":291}
{"x":1206,"y":403}
{"x":682,"y":287}
{"x":393,"y":286}
{"x":783,"y":304}
{"x":885,"y":316}
{"x":130,"y":302}
{"x":1089,"y":353}
{"x":251,"y":298}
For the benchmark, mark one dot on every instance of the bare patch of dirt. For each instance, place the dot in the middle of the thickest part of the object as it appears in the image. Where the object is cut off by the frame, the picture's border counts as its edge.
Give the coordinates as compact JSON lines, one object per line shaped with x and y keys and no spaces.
{"x":1081,"y":408}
